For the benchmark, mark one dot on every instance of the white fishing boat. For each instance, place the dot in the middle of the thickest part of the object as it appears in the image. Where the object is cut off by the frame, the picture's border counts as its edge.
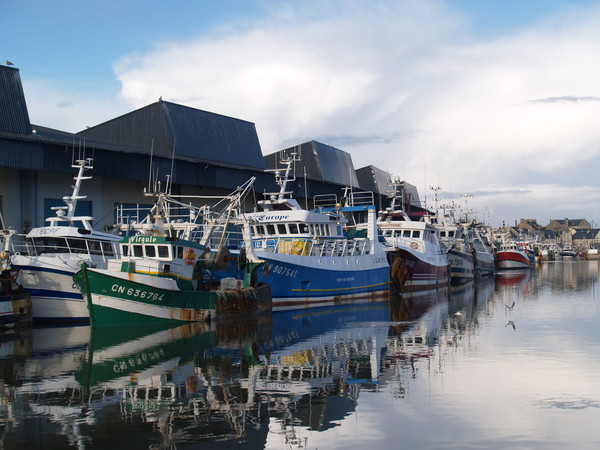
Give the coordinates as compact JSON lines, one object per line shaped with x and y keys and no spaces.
{"x":592,"y":254}
{"x":311,"y":259}
{"x":52,"y":254}
{"x":417,"y":259}
{"x":567,"y":253}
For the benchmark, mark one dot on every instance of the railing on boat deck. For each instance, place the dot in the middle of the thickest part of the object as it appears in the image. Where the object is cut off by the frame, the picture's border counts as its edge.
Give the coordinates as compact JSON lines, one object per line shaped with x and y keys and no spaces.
{"x":330,"y":201}
{"x":313,"y":247}
{"x":186,"y":226}
{"x":228,"y":238}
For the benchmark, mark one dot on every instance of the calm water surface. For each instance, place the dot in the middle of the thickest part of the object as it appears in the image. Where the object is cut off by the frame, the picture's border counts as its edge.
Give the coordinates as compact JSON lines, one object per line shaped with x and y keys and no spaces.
{"x":510,"y":362}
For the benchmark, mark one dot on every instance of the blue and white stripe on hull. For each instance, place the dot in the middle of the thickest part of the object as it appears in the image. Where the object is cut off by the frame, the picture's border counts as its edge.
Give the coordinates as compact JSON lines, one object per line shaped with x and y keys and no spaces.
{"x":54,"y":297}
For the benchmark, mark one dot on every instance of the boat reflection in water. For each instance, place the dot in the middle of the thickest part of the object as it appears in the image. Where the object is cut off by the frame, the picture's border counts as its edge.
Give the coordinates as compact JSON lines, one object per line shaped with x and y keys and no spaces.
{"x":261,"y":382}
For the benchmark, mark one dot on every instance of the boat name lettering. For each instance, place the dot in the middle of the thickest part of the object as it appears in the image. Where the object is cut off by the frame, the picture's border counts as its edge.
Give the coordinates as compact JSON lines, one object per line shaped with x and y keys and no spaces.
{"x":143,"y":239}
{"x":137,"y":293}
{"x":125,"y":365}
{"x":283,"y":271}
{"x":264,"y":218}
{"x":48,"y":230}
{"x":345,"y":279}
{"x":379,"y":260}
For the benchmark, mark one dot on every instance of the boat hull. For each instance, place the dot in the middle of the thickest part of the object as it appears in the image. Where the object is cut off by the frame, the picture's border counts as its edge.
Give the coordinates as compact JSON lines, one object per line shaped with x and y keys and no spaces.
{"x":509,"y":259}
{"x":49,"y":281}
{"x":484,"y":264}
{"x":299,"y":281}
{"x":123,"y":299}
{"x":461,"y":264}
{"x":409,"y":273}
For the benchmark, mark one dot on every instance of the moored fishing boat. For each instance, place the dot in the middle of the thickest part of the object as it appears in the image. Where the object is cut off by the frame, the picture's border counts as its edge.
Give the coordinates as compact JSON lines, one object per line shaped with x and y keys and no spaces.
{"x":567,"y":253}
{"x":15,"y":303}
{"x":310,"y":259}
{"x":455,"y":243}
{"x":164,"y":279}
{"x":416,"y":257}
{"x":511,"y":255}
{"x":52,"y":254}
{"x":592,"y":254}
{"x":483,"y":253}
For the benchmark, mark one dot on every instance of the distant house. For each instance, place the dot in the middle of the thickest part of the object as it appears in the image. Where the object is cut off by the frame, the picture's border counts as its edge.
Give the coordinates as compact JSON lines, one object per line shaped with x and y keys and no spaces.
{"x":584,"y":239}
{"x":530,"y":225}
{"x":568,"y":224}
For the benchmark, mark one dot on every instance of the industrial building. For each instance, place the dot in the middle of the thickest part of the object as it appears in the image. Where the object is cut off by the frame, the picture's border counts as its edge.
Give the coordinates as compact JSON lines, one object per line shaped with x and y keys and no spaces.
{"x":203,"y":153}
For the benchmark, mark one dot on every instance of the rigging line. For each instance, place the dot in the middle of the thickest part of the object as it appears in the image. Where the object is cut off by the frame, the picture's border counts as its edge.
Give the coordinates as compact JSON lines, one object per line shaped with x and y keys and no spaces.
{"x":172,"y":162}
{"x":150,"y":171}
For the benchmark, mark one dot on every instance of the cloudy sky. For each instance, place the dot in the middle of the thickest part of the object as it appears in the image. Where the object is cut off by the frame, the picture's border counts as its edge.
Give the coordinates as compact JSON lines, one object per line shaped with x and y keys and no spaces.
{"x":498,"y":100}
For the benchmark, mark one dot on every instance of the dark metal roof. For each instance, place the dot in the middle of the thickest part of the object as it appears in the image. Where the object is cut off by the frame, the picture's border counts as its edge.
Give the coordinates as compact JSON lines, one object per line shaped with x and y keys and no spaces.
{"x":320,"y":162}
{"x":370,"y":178}
{"x":169,"y":129}
{"x":13,"y":109}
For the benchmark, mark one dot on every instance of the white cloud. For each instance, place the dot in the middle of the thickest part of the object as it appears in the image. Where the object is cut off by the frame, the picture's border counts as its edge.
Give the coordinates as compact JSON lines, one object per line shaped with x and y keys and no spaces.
{"x":398,"y":85}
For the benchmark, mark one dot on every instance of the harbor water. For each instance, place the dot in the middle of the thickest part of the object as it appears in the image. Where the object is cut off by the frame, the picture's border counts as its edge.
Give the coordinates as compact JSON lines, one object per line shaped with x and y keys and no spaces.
{"x":507,"y":362}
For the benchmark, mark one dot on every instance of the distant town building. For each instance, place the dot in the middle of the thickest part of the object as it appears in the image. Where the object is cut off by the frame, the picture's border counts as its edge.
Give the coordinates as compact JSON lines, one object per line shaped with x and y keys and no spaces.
{"x":568,"y":224}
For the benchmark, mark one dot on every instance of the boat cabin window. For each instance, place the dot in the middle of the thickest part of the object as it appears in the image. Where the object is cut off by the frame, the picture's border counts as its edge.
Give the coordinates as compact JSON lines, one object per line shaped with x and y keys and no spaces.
{"x":50,"y":245}
{"x":179,"y":251}
{"x":281,"y":229}
{"x":416,"y":234}
{"x":442,"y":234}
{"x":138,"y":251}
{"x":271,"y":229}
{"x":163,"y":251}
{"x":450,"y":233}
{"x":77,"y":245}
{"x":125,"y":250}
{"x":150,"y":251}
{"x":406,"y":233}
{"x":94,"y":247}
{"x":107,"y":249}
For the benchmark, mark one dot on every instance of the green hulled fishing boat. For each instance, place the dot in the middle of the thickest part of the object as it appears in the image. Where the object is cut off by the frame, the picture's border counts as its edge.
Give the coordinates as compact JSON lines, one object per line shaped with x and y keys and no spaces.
{"x":160,"y":279}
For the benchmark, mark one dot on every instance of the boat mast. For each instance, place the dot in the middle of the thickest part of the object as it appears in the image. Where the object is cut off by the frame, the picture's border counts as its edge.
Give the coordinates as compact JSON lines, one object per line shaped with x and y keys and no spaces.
{"x":71,"y":201}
